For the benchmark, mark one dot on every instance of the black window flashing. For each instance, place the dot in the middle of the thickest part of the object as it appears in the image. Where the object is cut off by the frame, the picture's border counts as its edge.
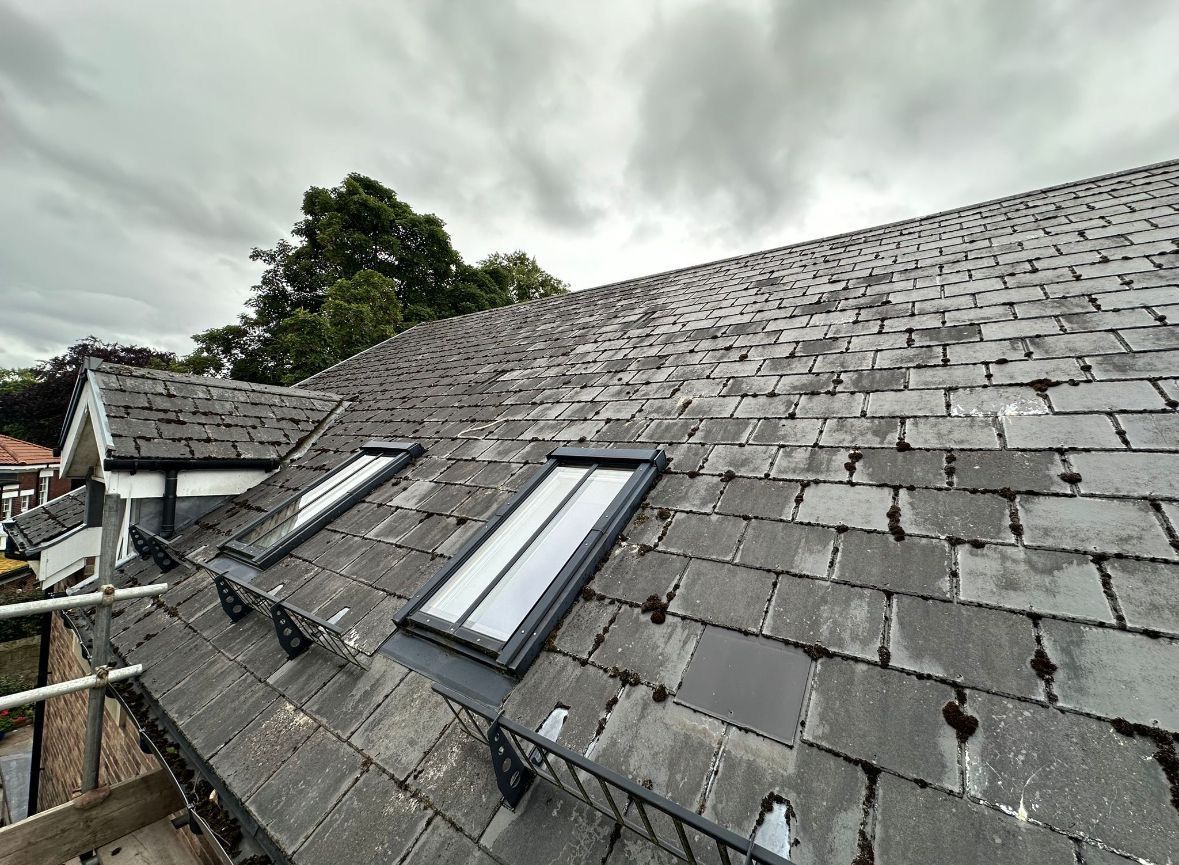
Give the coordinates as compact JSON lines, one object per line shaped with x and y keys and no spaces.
{"x":515,"y":654}
{"x":262,"y":557}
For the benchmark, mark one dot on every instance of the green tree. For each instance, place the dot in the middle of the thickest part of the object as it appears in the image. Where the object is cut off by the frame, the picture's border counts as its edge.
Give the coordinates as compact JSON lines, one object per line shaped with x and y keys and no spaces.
{"x":33,"y":401}
{"x":412,"y":273}
{"x":518,"y":274}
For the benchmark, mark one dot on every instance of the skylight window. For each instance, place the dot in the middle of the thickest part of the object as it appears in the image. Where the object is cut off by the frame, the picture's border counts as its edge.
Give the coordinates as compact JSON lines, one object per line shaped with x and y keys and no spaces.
{"x":502,"y":593}
{"x":289,"y":524}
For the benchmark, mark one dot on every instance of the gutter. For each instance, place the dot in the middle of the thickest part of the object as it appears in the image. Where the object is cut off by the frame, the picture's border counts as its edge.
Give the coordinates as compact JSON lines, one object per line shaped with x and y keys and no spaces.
{"x":135,"y":464}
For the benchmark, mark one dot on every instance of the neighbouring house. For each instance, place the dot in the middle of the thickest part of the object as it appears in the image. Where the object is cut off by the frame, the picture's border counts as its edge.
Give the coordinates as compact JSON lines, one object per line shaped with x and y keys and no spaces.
{"x":168,"y":446}
{"x":29,"y":476}
{"x":864,"y":548}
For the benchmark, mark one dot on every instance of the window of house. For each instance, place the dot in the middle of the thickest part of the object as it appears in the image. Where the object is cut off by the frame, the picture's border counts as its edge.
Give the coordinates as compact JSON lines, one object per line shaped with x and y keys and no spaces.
{"x":43,"y":490}
{"x":502,"y":594}
{"x":8,"y":502}
{"x":286,"y":526}
{"x":26,"y":500}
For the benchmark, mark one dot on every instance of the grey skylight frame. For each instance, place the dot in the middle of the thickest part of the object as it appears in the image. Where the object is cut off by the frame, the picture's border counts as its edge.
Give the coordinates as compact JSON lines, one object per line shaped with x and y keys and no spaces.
{"x":515,"y":654}
{"x":262,"y":557}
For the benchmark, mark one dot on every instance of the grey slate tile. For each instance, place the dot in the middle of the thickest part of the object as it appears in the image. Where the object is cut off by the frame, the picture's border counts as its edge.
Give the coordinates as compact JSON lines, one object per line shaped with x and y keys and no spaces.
{"x":554,"y":679}
{"x":1002,"y":401}
{"x":255,"y":753}
{"x":1071,"y":772}
{"x":951,"y":432}
{"x":1039,"y":581}
{"x":916,"y":825}
{"x":1156,"y":431}
{"x":632,"y":575}
{"x":668,"y":744}
{"x":787,"y":547}
{"x":457,"y":778}
{"x":1107,"y":396}
{"x":658,"y":653}
{"x":824,"y":791}
{"x":375,"y":821}
{"x":886,"y":717}
{"x":404,"y":727}
{"x":915,"y":565}
{"x":1146,"y":593}
{"x":1128,"y":474}
{"x":292,"y":801}
{"x":1115,"y":673}
{"x":978,"y":647}
{"x":723,"y":594}
{"x":955,"y":513}
{"x":352,"y":694}
{"x":843,"y":504}
{"x":758,"y":498}
{"x":696,"y":534}
{"x":579,"y":835}
{"x":1061,"y":431}
{"x":1106,"y":525}
{"x":443,"y":843}
{"x":842,"y":618}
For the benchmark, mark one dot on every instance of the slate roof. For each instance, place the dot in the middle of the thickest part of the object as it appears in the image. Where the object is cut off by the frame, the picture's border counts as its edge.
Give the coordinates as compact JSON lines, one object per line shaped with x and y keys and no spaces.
{"x":153,"y":414}
{"x":38,"y":526}
{"x":15,"y":452}
{"x":939,"y":454}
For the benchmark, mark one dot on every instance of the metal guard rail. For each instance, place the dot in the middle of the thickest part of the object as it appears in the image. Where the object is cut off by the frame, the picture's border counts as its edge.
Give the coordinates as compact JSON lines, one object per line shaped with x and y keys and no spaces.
{"x":628,"y":804}
{"x":295,"y":627}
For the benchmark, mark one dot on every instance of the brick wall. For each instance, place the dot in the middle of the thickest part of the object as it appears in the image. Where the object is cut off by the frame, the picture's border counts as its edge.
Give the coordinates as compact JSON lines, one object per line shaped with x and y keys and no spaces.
{"x":65,"y":730}
{"x":65,"y":739}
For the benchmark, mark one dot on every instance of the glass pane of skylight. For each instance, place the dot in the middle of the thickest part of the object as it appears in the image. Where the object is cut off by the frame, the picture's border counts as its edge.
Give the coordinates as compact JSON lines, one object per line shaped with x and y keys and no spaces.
{"x":476,"y":573}
{"x":502,"y":611}
{"x":316,"y":500}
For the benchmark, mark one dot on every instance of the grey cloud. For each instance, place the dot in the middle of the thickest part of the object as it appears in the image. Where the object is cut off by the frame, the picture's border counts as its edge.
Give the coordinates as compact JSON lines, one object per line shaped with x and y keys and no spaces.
{"x":33,"y":59}
{"x":146,"y":147}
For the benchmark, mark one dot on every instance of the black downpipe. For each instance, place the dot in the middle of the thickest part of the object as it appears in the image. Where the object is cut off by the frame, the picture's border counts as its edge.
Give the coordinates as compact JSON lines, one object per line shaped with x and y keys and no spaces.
{"x":39,"y":714}
{"x":168,"y":517}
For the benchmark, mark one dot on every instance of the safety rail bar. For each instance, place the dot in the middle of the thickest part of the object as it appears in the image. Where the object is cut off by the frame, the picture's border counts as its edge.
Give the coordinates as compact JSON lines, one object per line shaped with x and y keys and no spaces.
{"x":101,"y":673}
{"x":295,"y":627}
{"x":628,"y":804}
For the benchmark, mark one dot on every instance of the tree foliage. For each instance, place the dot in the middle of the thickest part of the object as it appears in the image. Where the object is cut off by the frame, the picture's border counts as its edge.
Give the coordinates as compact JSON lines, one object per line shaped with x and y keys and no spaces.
{"x":363,"y":265}
{"x":33,"y":401}
{"x":518,"y":274}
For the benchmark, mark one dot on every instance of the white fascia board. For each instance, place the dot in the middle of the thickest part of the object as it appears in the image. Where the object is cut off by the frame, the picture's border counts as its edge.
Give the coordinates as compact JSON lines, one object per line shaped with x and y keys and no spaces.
{"x":88,"y":420}
{"x":195,"y":482}
{"x":66,"y":554}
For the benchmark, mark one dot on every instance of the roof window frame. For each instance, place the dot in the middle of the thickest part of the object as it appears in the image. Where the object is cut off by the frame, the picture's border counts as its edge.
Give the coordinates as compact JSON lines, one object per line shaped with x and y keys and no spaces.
{"x":517,"y":652}
{"x":262,"y":557}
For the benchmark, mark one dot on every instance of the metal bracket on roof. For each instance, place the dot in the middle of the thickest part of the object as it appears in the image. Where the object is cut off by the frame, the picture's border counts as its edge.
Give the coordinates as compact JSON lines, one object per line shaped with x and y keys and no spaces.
{"x":231,"y":602}
{"x":513,"y":775}
{"x":290,"y":636}
{"x":152,"y":546}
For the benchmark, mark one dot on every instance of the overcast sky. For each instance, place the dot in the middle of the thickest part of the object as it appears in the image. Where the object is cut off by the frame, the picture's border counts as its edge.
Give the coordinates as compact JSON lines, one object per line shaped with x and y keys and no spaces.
{"x":145,"y":147}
